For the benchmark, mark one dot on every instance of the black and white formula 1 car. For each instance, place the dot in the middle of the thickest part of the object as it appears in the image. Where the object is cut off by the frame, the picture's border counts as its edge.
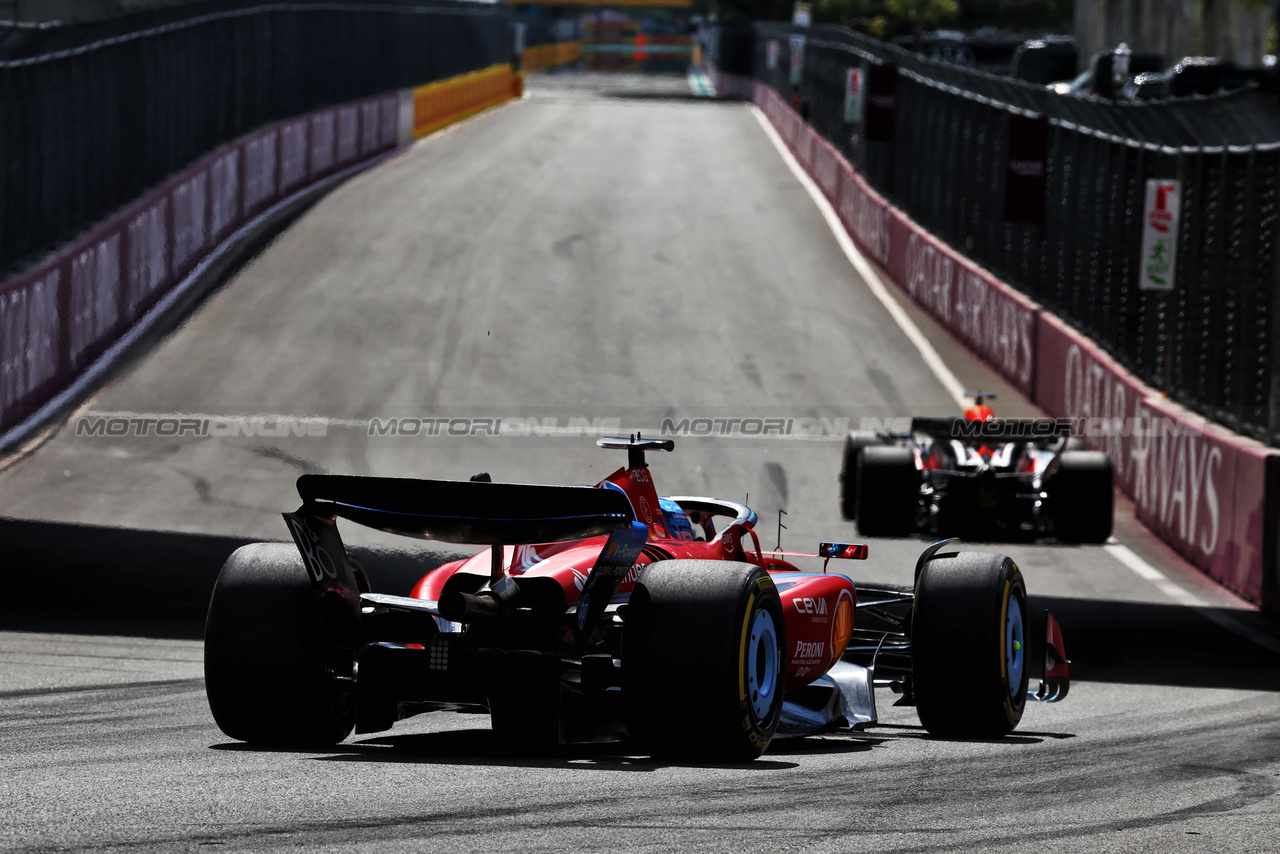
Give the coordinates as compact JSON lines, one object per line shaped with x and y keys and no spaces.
{"x":977,"y":477}
{"x":607,"y":613}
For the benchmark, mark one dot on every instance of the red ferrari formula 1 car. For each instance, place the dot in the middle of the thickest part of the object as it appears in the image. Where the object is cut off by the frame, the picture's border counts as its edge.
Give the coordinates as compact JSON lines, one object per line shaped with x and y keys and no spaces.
{"x":606,"y":613}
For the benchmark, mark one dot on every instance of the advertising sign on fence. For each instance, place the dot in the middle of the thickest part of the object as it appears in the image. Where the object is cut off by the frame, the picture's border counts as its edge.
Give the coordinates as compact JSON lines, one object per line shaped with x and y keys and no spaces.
{"x":1026,"y":184}
{"x":797,"y":60}
{"x":882,"y":87}
{"x":1157,"y":265}
{"x":853,"y":96}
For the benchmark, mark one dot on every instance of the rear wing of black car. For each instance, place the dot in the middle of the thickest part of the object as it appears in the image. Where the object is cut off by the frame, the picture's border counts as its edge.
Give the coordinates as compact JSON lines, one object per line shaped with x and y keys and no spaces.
{"x":995,"y":430}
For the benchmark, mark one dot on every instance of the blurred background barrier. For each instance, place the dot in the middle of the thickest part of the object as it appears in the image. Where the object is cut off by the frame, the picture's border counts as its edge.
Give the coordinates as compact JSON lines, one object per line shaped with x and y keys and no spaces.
{"x":60,"y":317}
{"x":118,"y":266}
{"x":1048,"y":191}
{"x":447,"y":101}
{"x":94,"y":113}
{"x":544,"y":56}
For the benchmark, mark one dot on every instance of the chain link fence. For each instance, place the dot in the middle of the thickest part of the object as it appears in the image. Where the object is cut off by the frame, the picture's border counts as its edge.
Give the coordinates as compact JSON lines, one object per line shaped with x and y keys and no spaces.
{"x":944,"y":156}
{"x":92,"y":114}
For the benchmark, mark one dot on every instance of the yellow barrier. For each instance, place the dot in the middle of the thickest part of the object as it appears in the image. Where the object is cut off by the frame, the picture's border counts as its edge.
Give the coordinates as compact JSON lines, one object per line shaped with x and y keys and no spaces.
{"x":550,"y":55}
{"x":444,"y":102}
{"x":662,"y":4}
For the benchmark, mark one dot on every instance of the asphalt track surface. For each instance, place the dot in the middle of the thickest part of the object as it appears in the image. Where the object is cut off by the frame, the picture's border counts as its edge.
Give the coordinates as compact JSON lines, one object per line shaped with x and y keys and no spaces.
{"x":590,"y":252}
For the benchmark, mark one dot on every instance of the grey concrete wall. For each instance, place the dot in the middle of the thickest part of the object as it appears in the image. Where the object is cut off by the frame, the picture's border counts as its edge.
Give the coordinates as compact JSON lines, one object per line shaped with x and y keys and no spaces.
{"x":1173,"y":28}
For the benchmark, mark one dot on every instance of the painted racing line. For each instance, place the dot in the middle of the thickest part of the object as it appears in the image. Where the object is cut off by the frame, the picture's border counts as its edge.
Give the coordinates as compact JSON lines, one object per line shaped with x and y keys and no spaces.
{"x":1120,"y":552}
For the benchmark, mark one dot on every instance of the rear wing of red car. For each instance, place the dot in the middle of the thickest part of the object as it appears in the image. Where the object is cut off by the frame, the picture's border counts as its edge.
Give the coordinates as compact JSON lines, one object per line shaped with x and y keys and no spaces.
{"x":476,"y":512}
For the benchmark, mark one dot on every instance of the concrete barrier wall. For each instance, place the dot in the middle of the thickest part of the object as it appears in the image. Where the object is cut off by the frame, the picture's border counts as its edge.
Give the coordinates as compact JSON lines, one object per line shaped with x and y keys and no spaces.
{"x":63,"y":321}
{"x":1198,"y":486}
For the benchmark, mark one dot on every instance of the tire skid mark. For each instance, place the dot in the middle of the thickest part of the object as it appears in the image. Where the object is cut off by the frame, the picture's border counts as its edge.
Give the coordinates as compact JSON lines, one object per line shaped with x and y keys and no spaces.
{"x":134,"y":689}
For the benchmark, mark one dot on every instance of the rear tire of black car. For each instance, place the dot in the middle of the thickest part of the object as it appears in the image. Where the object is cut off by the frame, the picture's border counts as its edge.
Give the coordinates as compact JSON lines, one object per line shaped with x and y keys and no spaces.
{"x":888,"y":492}
{"x":1083,"y":497}
{"x":854,"y":444}
{"x":969,"y":630}
{"x":703,"y":660}
{"x":275,"y":652}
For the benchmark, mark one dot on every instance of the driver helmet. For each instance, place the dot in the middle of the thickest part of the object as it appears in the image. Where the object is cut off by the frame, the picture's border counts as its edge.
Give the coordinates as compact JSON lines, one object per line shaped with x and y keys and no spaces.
{"x":677,"y":520}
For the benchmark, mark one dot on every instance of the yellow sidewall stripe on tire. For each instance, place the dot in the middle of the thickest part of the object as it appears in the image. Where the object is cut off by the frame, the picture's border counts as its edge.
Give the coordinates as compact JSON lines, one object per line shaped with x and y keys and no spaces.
{"x":742,"y":651}
{"x":1004,"y":653}
{"x":1004,"y":616}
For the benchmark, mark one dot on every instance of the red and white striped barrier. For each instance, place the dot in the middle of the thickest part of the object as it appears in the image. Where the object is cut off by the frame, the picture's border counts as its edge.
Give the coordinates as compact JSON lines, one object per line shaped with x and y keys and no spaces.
{"x":1197,"y":485}
{"x":61,"y":321}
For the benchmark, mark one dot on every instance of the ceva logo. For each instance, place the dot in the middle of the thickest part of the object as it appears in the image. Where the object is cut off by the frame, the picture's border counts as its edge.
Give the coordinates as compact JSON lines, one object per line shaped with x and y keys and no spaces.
{"x":810,"y":606}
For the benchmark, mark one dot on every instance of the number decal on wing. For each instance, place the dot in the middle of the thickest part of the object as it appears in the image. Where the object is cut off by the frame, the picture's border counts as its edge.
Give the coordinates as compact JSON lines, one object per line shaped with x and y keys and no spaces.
{"x":319,"y":564}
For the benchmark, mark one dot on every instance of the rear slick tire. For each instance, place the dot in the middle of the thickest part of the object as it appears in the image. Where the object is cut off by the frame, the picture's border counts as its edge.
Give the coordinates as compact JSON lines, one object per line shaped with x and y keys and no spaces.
{"x":854,"y":444}
{"x":273,"y":650}
{"x":888,"y":492}
{"x":703,"y":660}
{"x":1083,"y":495}
{"x":969,"y":647}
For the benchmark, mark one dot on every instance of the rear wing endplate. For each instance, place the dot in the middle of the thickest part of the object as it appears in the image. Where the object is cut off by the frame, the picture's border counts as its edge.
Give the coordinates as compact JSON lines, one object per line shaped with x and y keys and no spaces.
{"x":616,"y":559}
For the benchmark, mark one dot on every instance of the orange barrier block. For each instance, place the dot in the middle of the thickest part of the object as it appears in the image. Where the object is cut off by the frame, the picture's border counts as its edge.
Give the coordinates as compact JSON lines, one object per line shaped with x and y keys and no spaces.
{"x":550,"y":55}
{"x":444,"y":102}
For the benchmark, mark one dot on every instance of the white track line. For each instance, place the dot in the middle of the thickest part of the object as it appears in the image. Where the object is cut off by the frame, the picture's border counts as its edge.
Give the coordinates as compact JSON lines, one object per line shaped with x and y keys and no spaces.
{"x":931,"y":358}
{"x":955,"y":388}
{"x":1129,"y":558}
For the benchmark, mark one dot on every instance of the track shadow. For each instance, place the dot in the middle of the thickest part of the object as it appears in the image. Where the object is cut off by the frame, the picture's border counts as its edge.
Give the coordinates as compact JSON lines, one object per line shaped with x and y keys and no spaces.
{"x":917,"y":731}
{"x":479,"y":747}
{"x":1141,"y":643}
{"x":87,"y":579}
{"x":824,"y":744}
{"x":84,"y":579}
